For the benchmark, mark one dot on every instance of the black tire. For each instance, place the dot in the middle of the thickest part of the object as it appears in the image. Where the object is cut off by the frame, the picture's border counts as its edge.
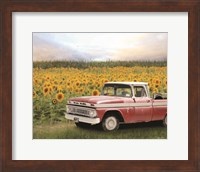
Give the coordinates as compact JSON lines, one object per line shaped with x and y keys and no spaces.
{"x":165,"y":121}
{"x":110,"y":123}
{"x":82,"y":125}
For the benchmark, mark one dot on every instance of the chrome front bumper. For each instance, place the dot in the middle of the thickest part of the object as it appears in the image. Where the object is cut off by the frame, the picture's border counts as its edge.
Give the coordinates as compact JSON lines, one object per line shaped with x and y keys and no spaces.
{"x":77,"y":118}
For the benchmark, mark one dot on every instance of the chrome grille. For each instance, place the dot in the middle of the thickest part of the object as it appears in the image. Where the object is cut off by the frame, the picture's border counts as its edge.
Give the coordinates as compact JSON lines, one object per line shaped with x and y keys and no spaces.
{"x":79,"y":110}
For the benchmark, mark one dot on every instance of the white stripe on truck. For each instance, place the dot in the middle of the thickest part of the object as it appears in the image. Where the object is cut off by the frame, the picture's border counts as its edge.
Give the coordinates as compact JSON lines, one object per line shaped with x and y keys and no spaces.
{"x":118,"y":105}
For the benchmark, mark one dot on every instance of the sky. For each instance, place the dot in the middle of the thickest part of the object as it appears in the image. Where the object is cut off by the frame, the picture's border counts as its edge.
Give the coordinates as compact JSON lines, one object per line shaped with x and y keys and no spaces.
{"x":99,"y":46}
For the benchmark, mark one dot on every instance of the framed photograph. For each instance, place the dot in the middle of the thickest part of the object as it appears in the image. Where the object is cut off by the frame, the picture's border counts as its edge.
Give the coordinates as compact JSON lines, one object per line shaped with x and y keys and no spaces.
{"x":104,"y":78}
{"x":102,"y":86}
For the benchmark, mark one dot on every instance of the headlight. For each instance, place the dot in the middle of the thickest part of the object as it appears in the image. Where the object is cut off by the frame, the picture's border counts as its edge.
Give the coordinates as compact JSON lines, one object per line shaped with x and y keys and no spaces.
{"x":69,"y":109}
{"x":92,"y":113}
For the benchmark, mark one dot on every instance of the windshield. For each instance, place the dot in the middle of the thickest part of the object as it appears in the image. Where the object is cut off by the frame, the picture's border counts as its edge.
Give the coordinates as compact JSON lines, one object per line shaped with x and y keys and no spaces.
{"x":117,"y":90}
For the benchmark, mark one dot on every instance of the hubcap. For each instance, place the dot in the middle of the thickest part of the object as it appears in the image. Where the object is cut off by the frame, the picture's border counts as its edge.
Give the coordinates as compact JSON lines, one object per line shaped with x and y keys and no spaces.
{"x":111,"y":123}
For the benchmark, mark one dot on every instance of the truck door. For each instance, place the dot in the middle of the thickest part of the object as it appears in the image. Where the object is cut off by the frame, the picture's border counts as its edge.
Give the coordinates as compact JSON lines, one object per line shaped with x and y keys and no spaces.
{"x":142,"y":105}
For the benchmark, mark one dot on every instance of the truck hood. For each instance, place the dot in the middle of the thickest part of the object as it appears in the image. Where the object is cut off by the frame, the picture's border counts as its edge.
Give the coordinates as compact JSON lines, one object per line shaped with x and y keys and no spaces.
{"x":100,"y":99}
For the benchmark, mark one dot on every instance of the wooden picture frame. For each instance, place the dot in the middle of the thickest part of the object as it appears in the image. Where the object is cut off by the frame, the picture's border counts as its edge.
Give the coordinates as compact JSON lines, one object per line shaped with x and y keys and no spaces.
{"x":9,"y":6}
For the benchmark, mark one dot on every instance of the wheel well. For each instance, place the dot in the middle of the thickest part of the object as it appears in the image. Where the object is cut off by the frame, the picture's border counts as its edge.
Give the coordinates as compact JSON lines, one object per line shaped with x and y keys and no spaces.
{"x":115,"y":113}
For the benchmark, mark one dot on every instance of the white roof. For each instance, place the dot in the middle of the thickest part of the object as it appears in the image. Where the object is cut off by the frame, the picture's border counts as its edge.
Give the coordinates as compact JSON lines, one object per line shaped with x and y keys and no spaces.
{"x":128,"y":83}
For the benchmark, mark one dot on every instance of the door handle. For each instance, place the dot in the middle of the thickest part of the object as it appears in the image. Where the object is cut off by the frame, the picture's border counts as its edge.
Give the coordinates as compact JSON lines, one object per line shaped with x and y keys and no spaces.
{"x":148,"y":101}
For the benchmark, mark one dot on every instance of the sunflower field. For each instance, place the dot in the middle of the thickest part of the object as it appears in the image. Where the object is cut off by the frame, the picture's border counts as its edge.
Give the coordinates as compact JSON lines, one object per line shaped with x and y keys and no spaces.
{"x":53,"y":86}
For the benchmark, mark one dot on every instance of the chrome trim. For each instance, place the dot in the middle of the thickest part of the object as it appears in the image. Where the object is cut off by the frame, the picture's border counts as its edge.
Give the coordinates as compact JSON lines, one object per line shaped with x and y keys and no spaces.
{"x":82,"y":119}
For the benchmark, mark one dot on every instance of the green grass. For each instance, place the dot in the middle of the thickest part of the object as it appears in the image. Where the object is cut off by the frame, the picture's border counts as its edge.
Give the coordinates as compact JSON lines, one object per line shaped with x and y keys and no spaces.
{"x":68,"y":130}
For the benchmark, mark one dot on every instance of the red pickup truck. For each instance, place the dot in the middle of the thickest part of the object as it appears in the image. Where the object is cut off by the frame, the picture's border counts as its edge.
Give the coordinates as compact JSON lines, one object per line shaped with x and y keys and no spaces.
{"x":119,"y":102}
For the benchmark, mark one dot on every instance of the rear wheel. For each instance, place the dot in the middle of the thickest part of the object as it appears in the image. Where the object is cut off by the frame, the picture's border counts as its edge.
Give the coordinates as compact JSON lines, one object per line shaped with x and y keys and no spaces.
{"x":110,"y":123}
{"x":165,"y":121}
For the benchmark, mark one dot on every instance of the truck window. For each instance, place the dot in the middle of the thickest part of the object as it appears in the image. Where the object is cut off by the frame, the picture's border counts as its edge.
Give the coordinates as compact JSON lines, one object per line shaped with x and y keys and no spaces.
{"x":117,"y":90}
{"x":109,"y":91}
{"x":139,"y":91}
{"x":125,"y":92}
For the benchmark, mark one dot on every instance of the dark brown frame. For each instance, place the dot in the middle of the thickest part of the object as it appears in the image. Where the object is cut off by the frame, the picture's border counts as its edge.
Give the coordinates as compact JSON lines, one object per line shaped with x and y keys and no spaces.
{"x":9,"y":6}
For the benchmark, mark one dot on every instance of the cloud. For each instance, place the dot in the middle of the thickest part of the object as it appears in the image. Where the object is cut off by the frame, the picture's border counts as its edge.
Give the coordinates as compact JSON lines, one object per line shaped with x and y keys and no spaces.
{"x":99,"y":46}
{"x":47,"y":50}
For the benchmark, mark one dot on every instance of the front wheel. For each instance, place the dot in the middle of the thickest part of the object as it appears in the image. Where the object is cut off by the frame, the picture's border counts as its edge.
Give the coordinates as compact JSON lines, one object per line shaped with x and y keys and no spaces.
{"x":165,"y":121}
{"x":110,"y":123}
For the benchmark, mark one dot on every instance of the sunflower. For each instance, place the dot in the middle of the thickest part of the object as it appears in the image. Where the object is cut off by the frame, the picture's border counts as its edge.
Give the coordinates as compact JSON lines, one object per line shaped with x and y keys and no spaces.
{"x":55,"y":82}
{"x":34,"y":94}
{"x":55,"y":87}
{"x":157,"y":81}
{"x":106,"y":80}
{"x":155,"y":90}
{"x":45,"y":91}
{"x":59,"y":88}
{"x":48,"y":77}
{"x":50,"y":88}
{"x":47,"y":84}
{"x":54,"y":101}
{"x":60,"y":97}
{"x":95,"y":92}
{"x":81,"y":89}
{"x":35,"y":81}
{"x":77,"y":83}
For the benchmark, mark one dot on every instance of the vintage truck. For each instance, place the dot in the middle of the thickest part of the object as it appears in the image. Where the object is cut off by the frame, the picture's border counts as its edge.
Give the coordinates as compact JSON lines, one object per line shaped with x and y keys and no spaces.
{"x":119,"y":102}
